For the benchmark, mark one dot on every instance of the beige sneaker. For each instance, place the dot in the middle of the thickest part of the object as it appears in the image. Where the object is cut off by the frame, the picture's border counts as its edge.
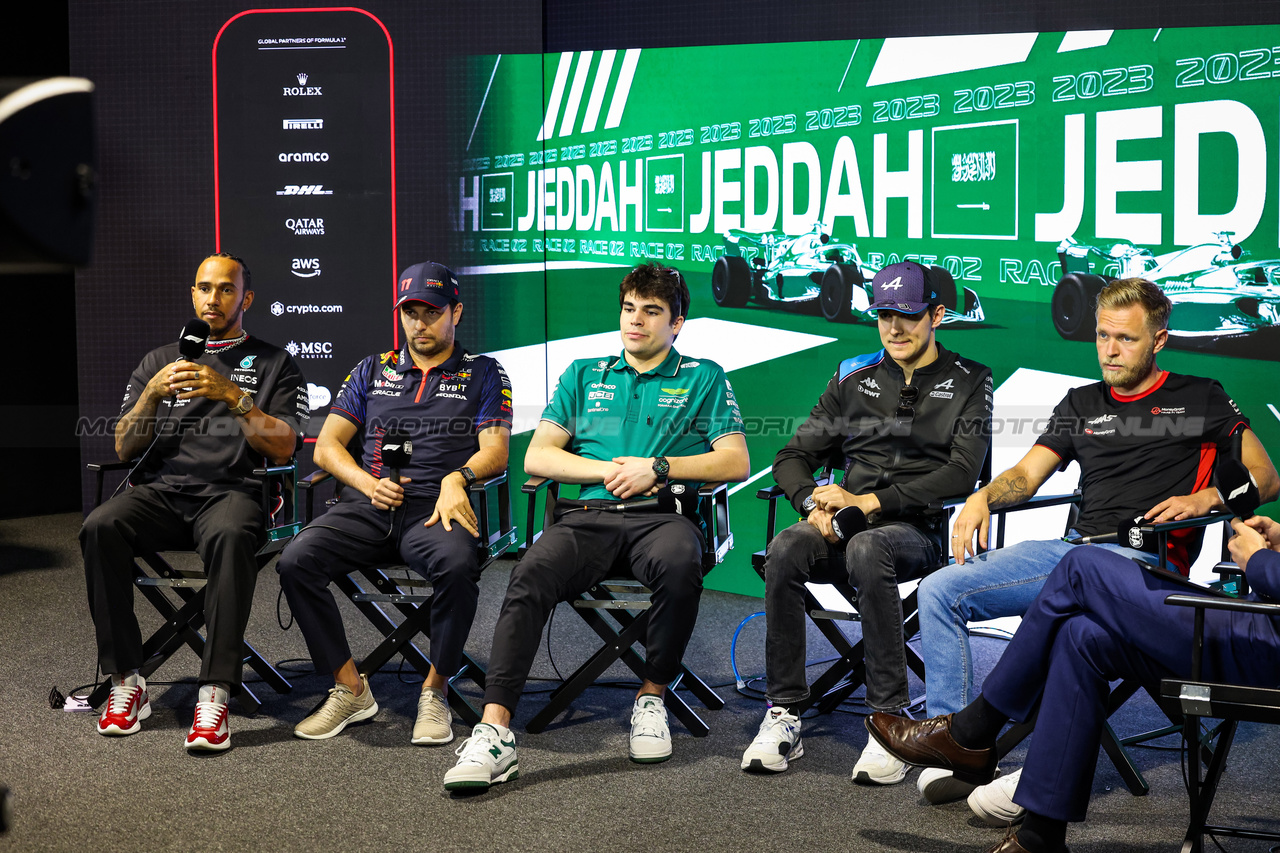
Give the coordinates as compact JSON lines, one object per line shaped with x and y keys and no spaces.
{"x":435,"y":722}
{"x":342,"y":707}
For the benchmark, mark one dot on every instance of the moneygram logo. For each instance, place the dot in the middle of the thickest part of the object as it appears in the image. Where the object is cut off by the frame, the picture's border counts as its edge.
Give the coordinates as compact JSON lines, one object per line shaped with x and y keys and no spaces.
{"x":303,"y":227}
{"x":306,"y":267}
{"x":304,"y":124}
{"x":302,"y":89}
{"x":304,"y":157}
{"x":304,"y":189}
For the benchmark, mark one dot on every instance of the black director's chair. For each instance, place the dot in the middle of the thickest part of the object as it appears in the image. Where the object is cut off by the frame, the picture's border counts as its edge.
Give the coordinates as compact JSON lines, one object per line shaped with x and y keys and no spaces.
{"x":375,"y":587}
{"x":182,"y":607}
{"x":1195,"y":699}
{"x":626,"y":602}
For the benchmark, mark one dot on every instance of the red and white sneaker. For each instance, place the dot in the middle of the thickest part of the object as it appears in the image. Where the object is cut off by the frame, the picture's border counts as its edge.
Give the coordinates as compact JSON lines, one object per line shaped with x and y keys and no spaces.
{"x":209,"y":732}
{"x":127,"y":707}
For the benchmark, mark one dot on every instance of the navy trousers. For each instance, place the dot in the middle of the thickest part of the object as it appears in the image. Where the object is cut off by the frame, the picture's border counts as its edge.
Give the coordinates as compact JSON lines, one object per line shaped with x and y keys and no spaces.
{"x":320,"y":553}
{"x":1098,"y":618}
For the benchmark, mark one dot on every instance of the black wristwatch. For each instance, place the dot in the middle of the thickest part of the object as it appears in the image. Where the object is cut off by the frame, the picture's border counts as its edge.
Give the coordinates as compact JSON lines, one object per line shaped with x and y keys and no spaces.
{"x":808,"y":505}
{"x":661,"y":467}
{"x":467,"y":474}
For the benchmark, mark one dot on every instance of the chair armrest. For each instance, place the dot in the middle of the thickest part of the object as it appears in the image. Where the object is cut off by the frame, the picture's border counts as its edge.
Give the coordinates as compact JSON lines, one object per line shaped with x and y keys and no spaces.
{"x":1203,"y":603}
{"x":101,"y":468}
{"x":308,"y":485}
{"x":532,"y":487}
{"x":108,"y":466}
{"x":769,"y":493}
{"x":489,"y":482}
{"x":1239,"y":605}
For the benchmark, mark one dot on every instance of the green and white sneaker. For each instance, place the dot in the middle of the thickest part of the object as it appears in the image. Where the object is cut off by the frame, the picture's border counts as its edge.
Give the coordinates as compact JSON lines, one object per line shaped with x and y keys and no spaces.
{"x":486,"y":758}
{"x":650,"y":734}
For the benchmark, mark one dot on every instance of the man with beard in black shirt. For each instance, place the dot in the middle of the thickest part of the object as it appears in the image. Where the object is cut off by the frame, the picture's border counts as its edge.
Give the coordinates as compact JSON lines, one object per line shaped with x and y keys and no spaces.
{"x":198,"y":429}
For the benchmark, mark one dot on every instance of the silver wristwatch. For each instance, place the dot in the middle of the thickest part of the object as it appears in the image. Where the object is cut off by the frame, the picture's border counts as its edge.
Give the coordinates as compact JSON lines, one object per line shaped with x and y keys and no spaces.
{"x":808,"y":505}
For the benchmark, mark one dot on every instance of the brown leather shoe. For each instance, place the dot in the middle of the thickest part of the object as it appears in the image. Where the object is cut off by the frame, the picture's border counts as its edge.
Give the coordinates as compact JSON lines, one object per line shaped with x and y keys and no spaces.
{"x":1010,"y":844}
{"x":928,"y":743}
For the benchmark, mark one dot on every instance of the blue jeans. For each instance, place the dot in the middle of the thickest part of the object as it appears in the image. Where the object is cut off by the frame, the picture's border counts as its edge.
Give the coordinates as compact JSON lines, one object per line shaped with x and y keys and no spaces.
{"x":989,"y":586}
{"x":874,"y":561}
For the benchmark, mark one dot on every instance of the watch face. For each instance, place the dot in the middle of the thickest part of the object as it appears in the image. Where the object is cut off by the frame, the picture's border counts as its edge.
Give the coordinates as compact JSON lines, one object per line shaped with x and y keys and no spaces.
{"x":661,"y":466}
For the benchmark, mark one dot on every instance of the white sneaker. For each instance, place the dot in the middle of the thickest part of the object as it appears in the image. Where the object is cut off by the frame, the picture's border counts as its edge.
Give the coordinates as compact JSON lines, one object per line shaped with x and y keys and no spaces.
{"x":434,"y":724}
{"x":939,"y":786}
{"x":209,"y":731}
{"x":650,"y":734}
{"x":486,"y":758}
{"x":777,"y":742}
{"x":877,"y":767}
{"x":993,"y":803}
{"x":127,"y":706}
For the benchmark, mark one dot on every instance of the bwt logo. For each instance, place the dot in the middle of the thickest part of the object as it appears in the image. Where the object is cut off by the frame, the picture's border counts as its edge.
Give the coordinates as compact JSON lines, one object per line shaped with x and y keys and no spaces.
{"x":304,"y":189}
{"x":304,"y":157}
{"x":304,"y":124}
{"x":306,"y":267}
{"x":310,"y":349}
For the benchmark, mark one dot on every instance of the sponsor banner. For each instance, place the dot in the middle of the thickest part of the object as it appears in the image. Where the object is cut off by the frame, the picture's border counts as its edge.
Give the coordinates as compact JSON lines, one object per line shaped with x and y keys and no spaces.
{"x":300,"y":95}
{"x":1009,"y":160}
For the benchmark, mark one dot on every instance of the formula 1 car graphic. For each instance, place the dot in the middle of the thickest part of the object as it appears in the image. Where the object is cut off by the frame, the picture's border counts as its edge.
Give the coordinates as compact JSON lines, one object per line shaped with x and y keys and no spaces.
{"x":1215,"y":291}
{"x":771,"y":267}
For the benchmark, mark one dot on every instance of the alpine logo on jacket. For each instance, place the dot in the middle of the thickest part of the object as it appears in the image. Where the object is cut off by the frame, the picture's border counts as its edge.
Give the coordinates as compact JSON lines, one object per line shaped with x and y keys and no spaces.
{"x":940,"y":391}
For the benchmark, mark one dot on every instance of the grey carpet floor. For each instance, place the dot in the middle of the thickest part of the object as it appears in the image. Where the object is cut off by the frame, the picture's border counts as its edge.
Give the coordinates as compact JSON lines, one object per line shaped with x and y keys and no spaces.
{"x":369,"y":789}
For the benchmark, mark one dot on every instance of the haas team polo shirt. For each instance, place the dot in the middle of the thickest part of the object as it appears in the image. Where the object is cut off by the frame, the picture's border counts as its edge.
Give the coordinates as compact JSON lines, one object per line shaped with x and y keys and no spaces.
{"x":677,"y":409}
{"x":442,"y":410}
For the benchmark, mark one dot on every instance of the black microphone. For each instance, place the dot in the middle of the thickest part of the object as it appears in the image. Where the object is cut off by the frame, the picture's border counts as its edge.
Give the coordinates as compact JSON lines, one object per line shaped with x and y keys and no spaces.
{"x":397,"y":449}
{"x":1135,"y":533}
{"x":193,"y":338}
{"x":670,"y":498}
{"x":847,"y":522}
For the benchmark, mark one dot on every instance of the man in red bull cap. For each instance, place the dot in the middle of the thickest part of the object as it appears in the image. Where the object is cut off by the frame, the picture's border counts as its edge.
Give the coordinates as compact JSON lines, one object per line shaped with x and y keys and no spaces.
{"x":454,"y":409}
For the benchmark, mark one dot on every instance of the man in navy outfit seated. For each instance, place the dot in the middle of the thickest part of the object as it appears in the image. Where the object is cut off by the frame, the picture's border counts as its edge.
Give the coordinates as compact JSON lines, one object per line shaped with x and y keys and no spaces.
{"x":456,"y":409}
{"x":1098,"y":618}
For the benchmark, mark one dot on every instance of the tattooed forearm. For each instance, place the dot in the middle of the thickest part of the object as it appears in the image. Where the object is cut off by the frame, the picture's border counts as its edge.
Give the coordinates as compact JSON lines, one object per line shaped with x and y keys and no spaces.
{"x":1007,"y":489}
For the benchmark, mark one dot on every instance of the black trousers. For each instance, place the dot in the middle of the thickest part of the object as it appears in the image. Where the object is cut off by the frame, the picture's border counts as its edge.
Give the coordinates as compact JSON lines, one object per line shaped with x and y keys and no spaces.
{"x":318,"y":555}
{"x":226,"y":530}
{"x":662,"y":550}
